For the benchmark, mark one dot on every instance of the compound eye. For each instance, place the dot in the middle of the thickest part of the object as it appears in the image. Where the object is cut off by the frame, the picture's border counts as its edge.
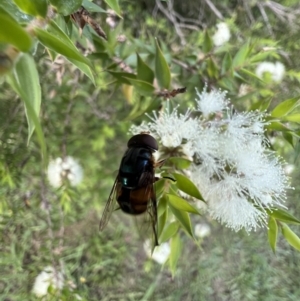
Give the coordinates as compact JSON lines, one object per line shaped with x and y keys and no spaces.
{"x":144,"y":140}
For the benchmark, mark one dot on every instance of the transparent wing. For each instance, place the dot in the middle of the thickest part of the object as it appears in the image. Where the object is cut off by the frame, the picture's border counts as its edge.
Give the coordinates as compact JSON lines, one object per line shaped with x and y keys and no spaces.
{"x":151,"y":216}
{"x":152,"y":212}
{"x":110,"y":206}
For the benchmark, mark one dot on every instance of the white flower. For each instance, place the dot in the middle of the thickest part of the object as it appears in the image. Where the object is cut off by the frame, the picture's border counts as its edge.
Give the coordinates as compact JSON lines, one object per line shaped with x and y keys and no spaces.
{"x":160,"y":254}
{"x":276,"y":70}
{"x":289,"y":168}
{"x":49,"y":276}
{"x":202,"y":230}
{"x":61,"y":169}
{"x":172,"y":129}
{"x":222,"y":35}
{"x":244,"y":89}
{"x":211,"y":102}
{"x":236,"y":173}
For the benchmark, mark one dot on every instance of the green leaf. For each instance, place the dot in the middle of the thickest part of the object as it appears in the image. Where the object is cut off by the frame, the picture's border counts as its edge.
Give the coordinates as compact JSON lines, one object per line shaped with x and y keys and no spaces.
{"x":16,"y":35}
{"x":259,"y":57}
{"x":25,"y":82}
{"x":251,"y":74}
{"x":27,"y":77}
{"x":180,"y":163}
{"x":162,"y":71}
{"x":276,"y":126}
{"x":161,"y":222}
{"x":51,"y":41}
{"x":290,"y":236}
{"x":92,"y":7}
{"x":289,"y":138}
{"x":292,"y":118}
{"x":285,"y":107}
{"x":59,"y":33}
{"x":141,"y":86}
{"x":265,"y":104}
{"x":162,"y":205}
{"x":186,"y":185}
{"x":227,"y":64}
{"x":168,"y":232}
{"x":123,"y":77}
{"x":212,"y":68}
{"x":144,"y":72}
{"x":176,"y":247}
{"x":283,"y":216}
{"x":184,"y":219}
{"x":159,"y":186}
{"x":272,"y":233}
{"x":114,"y":5}
{"x":33,"y":7}
{"x":241,"y":55}
{"x":54,"y":29}
{"x":66,"y":7}
{"x":181,"y":204}
{"x":85,"y":69}
{"x":207,"y":43}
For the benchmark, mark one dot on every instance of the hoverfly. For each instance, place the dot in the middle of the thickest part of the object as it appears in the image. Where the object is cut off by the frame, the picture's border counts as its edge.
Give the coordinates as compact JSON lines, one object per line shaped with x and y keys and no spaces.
{"x":133,"y":189}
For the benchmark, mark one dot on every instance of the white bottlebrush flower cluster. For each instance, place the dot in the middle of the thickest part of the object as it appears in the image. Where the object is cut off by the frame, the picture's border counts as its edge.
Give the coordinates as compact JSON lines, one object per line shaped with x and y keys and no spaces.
{"x":222,"y":35}
{"x":276,"y":70}
{"x":48,"y":277}
{"x":238,"y":176}
{"x":64,"y":169}
{"x":160,"y":254}
{"x":202,"y":230}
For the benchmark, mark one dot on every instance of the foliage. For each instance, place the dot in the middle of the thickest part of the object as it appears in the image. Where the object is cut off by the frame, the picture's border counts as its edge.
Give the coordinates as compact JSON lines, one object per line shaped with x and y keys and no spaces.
{"x":72,"y":86}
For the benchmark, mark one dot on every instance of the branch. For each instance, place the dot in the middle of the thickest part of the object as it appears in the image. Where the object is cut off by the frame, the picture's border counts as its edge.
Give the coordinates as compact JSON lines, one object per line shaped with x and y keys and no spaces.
{"x":214,"y":9}
{"x":171,"y":16}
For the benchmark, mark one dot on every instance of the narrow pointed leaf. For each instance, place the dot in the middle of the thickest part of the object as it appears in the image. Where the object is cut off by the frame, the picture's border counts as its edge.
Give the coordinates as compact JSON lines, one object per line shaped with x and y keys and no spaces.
{"x":207,"y":43}
{"x":92,"y":7}
{"x":123,"y":77}
{"x":25,"y":83}
{"x":292,"y":118}
{"x":159,"y":186}
{"x":162,"y":70}
{"x":272,"y":233}
{"x":251,"y":74}
{"x":176,"y":247}
{"x":168,"y":232}
{"x":227,"y":63}
{"x":56,"y":44}
{"x":66,"y":7}
{"x":212,"y":69}
{"x":291,"y":237}
{"x":285,"y":107}
{"x":283,"y":216}
{"x":16,"y":35}
{"x":186,"y":185}
{"x":184,"y":220}
{"x":59,"y":33}
{"x":181,"y":204}
{"x":33,"y":7}
{"x":27,"y":79}
{"x":259,"y":57}
{"x":144,"y":72}
{"x":241,"y":55}
{"x":180,"y":163}
{"x":84,"y":68}
{"x":161,"y":223}
{"x":162,"y":205}
{"x":141,"y":86}
{"x":114,"y":5}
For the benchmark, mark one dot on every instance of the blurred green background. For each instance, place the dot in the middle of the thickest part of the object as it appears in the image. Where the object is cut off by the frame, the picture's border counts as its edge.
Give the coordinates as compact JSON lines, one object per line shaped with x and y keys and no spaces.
{"x":42,"y":226}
